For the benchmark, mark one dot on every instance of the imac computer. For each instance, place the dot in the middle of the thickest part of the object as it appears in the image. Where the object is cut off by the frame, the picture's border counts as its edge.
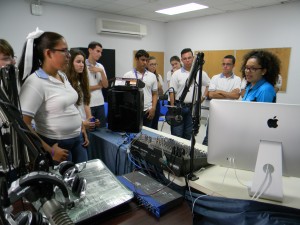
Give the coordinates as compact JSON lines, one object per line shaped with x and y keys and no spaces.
{"x":256,"y":136}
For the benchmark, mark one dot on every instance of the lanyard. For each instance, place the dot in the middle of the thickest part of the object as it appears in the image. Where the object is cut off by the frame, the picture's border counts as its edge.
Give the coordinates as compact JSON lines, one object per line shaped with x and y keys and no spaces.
{"x":136,"y":75}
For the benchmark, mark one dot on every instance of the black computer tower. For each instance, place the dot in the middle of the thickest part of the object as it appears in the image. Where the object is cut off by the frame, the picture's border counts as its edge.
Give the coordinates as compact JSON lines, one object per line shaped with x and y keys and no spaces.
{"x":125,"y":109}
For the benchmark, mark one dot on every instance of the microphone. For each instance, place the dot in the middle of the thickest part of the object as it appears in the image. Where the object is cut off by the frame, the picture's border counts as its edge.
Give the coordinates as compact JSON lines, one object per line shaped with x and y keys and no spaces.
{"x":178,"y":118}
{"x":55,"y":213}
{"x":174,"y":115}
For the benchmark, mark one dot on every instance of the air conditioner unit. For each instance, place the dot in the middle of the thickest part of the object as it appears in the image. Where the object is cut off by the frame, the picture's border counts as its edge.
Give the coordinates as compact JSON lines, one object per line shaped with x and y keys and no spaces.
{"x":118,"y":27}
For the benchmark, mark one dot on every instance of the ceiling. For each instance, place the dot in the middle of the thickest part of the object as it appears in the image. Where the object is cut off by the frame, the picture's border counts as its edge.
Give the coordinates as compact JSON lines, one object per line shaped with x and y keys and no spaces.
{"x":145,"y":9}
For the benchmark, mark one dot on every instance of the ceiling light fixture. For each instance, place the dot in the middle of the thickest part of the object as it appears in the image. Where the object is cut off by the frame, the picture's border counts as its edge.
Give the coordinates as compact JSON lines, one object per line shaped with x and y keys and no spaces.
{"x":182,"y":9}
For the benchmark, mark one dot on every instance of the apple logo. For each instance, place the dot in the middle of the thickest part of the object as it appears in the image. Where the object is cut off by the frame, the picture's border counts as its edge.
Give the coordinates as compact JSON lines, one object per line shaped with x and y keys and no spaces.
{"x":272,"y":123}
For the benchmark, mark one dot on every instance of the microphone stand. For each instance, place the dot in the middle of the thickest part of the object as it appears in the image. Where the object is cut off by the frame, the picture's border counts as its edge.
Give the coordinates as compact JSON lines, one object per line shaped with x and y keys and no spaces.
{"x":197,"y":66}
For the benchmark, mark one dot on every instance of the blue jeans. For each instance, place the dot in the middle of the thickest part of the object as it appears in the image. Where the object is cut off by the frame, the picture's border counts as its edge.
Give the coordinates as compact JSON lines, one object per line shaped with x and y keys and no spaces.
{"x":77,"y":153}
{"x":185,"y":129}
{"x":99,"y":113}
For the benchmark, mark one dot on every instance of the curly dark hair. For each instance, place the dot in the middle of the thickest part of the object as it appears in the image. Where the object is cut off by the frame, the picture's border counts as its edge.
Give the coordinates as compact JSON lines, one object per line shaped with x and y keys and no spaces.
{"x":79,"y":82}
{"x":267,"y":60}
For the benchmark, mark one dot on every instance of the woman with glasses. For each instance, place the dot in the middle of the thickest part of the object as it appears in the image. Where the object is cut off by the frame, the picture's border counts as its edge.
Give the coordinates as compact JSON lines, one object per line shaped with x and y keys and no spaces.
{"x":260,"y":69}
{"x":48,"y":98}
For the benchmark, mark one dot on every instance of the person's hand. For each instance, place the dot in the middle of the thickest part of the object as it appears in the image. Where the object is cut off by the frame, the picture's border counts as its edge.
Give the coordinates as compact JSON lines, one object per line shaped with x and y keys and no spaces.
{"x":237,"y":90}
{"x":85,"y":138}
{"x":60,"y":154}
{"x":91,"y":124}
{"x":151,"y":113}
{"x":97,"y":123}
{"x":95,"y":69}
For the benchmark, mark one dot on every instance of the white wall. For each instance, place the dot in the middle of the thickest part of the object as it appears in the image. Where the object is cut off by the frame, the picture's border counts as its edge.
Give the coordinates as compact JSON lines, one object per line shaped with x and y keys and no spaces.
{"x":78,"y":26}
{"x":268,"y":27}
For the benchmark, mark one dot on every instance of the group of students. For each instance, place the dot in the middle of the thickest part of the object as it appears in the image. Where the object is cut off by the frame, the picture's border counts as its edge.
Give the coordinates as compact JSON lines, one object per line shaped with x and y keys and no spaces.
{"x":260,"y":70}
{"x":60,"y":92}
{"x":261,"y":81}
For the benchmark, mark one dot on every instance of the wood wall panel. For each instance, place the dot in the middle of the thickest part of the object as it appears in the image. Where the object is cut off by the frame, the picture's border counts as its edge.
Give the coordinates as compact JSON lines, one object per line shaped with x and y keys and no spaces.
{"x":213,"y":60}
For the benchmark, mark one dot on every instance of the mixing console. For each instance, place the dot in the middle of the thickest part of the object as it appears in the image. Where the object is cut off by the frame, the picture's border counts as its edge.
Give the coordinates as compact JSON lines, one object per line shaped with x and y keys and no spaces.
{"x":167,"y":153}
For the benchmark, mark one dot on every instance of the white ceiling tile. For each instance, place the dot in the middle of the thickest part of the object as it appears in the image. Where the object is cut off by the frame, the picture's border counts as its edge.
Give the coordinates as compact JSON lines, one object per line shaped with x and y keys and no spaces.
{"x":145,"y":9}
{"x":233,"y":7}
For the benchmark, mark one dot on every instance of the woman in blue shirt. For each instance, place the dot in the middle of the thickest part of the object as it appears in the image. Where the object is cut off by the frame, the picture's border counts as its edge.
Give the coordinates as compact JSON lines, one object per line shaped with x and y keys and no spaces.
{"x":260,"y":69}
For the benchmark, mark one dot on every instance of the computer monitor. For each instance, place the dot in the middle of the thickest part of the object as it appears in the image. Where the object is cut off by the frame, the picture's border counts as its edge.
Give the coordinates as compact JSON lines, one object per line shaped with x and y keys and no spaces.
{"x":255,"y":136}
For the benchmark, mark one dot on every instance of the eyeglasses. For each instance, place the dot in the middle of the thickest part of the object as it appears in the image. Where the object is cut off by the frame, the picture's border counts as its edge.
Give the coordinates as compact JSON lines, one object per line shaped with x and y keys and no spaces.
{"x":64,"y":50}
{"x":226,"y":64}
{"x":252,"y":69}
{"x":153,"y":64}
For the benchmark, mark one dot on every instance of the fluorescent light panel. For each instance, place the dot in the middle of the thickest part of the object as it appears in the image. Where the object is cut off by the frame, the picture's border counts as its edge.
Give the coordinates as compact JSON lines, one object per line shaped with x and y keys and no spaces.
{"x":182,"y":9}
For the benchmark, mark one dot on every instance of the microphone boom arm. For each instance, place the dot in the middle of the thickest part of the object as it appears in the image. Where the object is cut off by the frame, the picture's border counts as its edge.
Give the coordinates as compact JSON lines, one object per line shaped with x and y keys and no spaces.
{"x":192,"y":76}
{"x":197,"y":66}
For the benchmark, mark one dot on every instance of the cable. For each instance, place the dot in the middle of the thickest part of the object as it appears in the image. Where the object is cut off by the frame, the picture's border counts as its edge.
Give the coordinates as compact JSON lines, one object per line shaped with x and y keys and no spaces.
{"x":223,"y":180}
{"x":200,"y":196}
{"x":190,"y":192}
{"x":133,"y":162}
{"x":258,"y":191}
{"x":117,"y":159}
{"x":234,"y":167}
{"x":268,"y":185}
{"x":125,"y":165}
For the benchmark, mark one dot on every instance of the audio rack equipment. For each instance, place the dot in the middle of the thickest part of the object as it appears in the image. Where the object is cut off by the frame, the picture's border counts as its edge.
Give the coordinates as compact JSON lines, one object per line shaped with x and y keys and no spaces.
{"x":167,"y":154}
{"x":154,"y":196}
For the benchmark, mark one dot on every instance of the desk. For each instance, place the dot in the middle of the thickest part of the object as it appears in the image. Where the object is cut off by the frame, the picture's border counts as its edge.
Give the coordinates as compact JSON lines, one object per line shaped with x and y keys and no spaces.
{"x":110,"y":148}
{"x":211,"y":182}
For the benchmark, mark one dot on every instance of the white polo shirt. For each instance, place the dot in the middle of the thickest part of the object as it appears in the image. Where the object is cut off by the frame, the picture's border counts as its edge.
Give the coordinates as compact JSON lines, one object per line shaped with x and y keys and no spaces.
{"x":94,"y":78}
{"x":178,"y":81}
{"x":169,"y":75}
{"x":222,"y":83}
{"x":51,"y":103}
{"x":150,"y":85}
